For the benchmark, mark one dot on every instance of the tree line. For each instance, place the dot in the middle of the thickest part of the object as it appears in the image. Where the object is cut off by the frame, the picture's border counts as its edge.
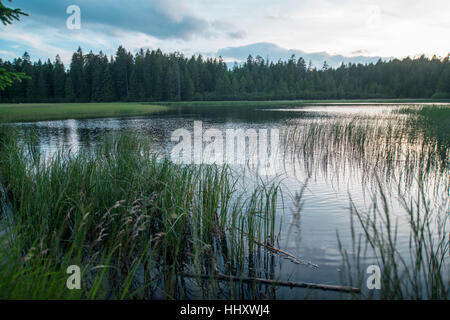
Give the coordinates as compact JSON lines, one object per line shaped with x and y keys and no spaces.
{"x":151,"y":75}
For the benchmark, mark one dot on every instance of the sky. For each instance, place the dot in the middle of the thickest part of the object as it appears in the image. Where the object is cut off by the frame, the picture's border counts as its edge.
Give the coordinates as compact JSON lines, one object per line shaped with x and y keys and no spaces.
{"x":383,"y":28}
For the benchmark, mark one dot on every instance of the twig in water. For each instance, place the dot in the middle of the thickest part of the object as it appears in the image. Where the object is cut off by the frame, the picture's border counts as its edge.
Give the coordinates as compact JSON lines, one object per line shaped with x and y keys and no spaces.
{"x":327,"y":287}
{"x":291,"y":256}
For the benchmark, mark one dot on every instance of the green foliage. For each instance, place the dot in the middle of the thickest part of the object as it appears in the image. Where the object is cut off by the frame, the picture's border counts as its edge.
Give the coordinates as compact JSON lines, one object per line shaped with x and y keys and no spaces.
{"x":155,"y":76}
{"x":8,"y":15}
{"x":440,"y":96}
{"x":7,"y":78}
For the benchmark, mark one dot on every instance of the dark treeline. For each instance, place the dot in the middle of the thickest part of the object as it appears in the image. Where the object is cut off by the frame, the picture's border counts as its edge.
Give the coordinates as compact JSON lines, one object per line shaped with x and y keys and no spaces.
{"x":154,"y":76}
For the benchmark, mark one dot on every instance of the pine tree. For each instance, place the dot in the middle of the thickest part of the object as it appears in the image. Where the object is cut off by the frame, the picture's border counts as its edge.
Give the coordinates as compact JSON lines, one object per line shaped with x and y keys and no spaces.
{"x":77,"y":76}
{"x":59,"y":79}
{"x":69,"y":92}
{"x":122,"y":68}
{"x":188,"y":89}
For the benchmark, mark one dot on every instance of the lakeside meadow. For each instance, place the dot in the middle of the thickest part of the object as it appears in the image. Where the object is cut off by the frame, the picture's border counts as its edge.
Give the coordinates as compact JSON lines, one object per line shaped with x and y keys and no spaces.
{"x":52,"y":111}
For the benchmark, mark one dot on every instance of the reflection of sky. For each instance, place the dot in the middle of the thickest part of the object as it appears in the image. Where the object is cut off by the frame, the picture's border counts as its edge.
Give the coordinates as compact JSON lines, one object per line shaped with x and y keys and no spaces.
{"x":312,"y":233}
{"x":352,"y":108}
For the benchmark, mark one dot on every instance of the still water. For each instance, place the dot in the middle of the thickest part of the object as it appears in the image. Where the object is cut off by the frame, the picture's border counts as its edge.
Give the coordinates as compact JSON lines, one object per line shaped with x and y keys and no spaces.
{"x":333,"y":153}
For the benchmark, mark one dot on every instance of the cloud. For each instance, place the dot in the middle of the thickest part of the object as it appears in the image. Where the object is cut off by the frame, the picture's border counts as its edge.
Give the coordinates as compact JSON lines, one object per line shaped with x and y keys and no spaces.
{"x":339,"y":27}
{"x":163,"y":19}
{"x":237,"y":35}
{"x":166,"y":24}
{"x":7,"y":54}
{"x":37,"y":42}
{"x":275,"y":53}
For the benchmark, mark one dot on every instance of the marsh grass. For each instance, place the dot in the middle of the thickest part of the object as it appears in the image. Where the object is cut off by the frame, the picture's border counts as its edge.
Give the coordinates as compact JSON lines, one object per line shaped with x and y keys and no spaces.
{"x":413,"y":266}
{"x":394,"y":150}
{"x":399,"y":158}
{"x":133,"y":222}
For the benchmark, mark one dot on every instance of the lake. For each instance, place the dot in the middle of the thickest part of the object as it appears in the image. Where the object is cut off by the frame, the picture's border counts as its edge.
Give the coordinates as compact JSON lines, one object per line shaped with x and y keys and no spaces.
{"x":330,"y":160}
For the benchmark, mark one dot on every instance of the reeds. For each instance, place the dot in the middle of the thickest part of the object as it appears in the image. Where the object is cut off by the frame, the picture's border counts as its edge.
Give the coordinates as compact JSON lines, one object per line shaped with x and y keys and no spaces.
{"x":133,"y":222}
{"x":414,"y":264}
{"x":393,"y":148}
{"x":404,"y":159}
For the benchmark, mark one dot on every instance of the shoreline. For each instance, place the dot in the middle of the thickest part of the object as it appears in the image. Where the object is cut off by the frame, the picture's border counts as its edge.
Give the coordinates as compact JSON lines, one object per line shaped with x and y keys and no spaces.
{"x":33,"y":112}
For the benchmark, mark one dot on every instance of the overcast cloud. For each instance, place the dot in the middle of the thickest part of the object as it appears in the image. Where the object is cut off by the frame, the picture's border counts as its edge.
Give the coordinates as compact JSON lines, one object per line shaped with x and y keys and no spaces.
{"x":346,"y":27}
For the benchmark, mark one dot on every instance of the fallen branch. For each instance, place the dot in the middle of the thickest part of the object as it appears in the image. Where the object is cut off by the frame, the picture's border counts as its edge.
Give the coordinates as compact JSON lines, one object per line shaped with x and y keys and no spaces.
{"x":327,"y":287}
{"x":291,"y":256}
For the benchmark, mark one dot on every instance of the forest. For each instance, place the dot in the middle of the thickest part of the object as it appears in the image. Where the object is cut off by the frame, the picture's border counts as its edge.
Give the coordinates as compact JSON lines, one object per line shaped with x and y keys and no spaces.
{"x":151,"y":75}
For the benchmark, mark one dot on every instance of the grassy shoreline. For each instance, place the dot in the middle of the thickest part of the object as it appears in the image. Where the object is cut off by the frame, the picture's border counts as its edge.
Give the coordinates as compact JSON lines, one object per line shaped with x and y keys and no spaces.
{"x":30,"y":112}
{"x":268,"y":103}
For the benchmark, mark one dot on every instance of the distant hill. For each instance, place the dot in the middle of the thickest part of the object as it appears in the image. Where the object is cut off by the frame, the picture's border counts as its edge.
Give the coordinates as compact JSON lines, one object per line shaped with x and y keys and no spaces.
{"x":274,"y":53}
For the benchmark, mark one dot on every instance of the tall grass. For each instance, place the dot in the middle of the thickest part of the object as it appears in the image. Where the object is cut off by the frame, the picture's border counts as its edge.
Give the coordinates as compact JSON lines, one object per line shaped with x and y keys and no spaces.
{"x":414,"y":265}
{"x":394,"y":150}
{"x":135,"y":224}
{"x":401,"y":159}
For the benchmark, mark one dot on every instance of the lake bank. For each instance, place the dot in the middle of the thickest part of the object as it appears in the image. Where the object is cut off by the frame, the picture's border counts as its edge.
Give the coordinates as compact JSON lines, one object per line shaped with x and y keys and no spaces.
{"x":31,"y":112}
{"x":60,"y":111}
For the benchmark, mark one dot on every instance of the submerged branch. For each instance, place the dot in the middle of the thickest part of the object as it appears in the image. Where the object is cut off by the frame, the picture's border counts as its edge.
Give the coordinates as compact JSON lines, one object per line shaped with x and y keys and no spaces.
{"x":290,"y":256}
{"x":327,"y":287}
